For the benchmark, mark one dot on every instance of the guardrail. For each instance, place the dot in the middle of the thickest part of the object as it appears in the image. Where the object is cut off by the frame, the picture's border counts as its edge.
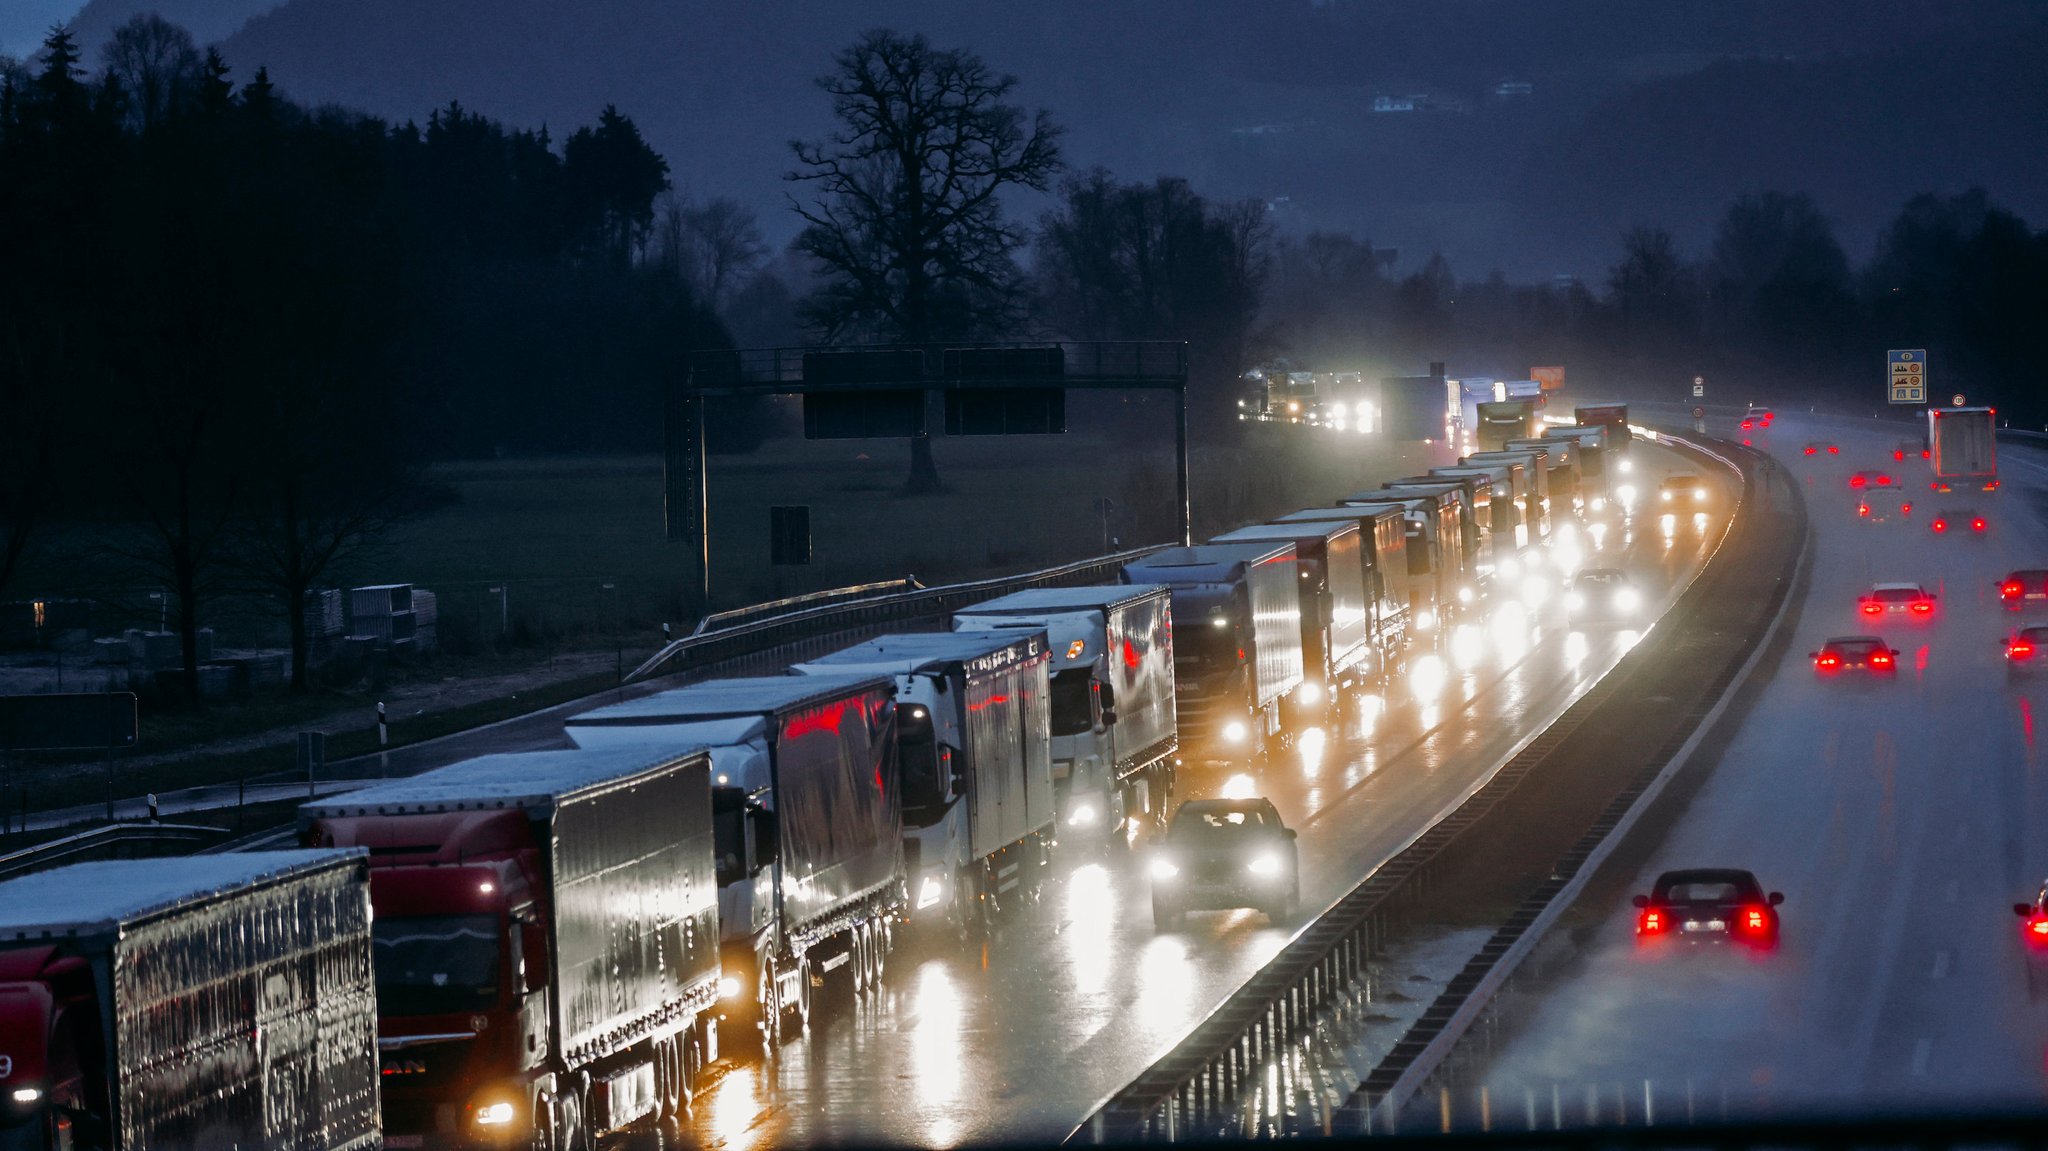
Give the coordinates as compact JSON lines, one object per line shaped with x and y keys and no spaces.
{"x":734,"y":616}
{"x":899,"y":607}
{"x":114,"y":841}
{"x":1199,"y":1084}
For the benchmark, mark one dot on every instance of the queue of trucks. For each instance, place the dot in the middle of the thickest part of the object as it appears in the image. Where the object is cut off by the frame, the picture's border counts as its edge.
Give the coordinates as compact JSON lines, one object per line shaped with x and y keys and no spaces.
{"x":546,"y":948}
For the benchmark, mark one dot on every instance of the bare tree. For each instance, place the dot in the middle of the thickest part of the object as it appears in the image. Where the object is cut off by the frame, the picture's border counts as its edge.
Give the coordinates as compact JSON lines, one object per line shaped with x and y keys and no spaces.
{"x":155,"y":63}
{"x":712,"y":248}
{"x":907,"y":222}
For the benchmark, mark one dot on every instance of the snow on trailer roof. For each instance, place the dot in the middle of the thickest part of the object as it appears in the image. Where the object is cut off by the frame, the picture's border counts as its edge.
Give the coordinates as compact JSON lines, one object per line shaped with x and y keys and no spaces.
{"x":721,"y":698}
{"x":921,"y":649}
{"x":1322,"y":529}
{"x":515,"y":779}
{"x":1050,"y":599}
{"x":98,"y":897}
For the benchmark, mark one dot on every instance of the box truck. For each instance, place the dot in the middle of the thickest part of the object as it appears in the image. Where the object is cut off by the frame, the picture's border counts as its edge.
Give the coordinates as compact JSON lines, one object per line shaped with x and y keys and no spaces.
{"x":1963,"y":449}
{"x":1338,"y":649}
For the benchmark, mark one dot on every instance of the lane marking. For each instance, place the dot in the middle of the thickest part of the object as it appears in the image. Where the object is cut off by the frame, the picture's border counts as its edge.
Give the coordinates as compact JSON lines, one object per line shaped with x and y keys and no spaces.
{"x":1921,"y":1047}
{"x":1940,"y":964}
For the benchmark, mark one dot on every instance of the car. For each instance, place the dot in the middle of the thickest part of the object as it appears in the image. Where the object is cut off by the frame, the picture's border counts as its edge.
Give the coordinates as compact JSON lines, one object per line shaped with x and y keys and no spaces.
{"x":2026,"y":651}
{"x":1602,"y":595}
{"x":2034,"y":937}
{"x":1881,"y":505}
{"x":1956,"y":519}
{"x":1708,"y":905}
{"x":2022,"y":589}
{"x":1905,"y":448}
{"x":1885,"y":600}
{"x":1860,"y":480}
{"x":1224,"y":853}
{"x":1842,"y":653}
{"x":1757,"y":415}
{"x":1682,"y":490}
{"x":1822,"y":448}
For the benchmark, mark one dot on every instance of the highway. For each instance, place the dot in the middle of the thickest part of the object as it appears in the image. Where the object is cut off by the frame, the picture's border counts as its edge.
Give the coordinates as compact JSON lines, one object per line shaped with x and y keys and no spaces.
{"x":1022,"y":1037}
{"x":1900,"y":819}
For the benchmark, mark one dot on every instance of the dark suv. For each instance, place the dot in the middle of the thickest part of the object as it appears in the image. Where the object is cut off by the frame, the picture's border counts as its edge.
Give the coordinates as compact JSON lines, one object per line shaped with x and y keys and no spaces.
{"x":1224,"y":853}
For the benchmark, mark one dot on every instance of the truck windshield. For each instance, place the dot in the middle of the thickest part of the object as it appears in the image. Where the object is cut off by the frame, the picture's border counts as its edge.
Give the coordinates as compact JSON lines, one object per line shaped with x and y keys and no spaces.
{"x":436,"y":964}
{"x":1204,"y":645}
{"x":1073,"y":698}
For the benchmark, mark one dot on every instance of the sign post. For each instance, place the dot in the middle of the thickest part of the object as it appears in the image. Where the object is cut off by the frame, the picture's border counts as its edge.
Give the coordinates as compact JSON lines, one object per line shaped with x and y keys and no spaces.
{"x":1908,"y":375}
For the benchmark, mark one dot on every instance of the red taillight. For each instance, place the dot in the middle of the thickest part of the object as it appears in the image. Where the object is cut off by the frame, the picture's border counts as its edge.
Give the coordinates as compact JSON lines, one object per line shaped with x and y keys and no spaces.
{"x":1977,"y":525}
{"x":1873,"y":608}
{"x":1898,"y":453}
{"x":1862,"y":509}
{"x":1833,"y":450}
{"x":1753,"y":919}
{"x":2038,"y":926}
{"x":1905,"y":509}
{"x":1748,"y":424}
{"x":1940,"y":525}
{"x":2010,"y":589}
{"x":1925,"y":454}
{"x":1652,"y":923}
{"x":1883,"y":479}
{"x":2019,"y":649}
{"x":1880,"y":660}
{"x":1827,"y":660}
{"x":1857,"y":481}
{"x":1922,"y":606}
{"x":1809,"y":451}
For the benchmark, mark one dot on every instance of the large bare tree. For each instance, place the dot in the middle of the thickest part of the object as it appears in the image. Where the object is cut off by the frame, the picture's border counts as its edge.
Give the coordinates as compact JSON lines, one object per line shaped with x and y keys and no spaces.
{"x":907,"y":218}
{"x":155,"y":64}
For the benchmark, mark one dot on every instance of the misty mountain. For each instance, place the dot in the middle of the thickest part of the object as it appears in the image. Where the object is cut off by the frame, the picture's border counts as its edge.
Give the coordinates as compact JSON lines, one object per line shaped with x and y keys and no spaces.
{"x":207,"y":20}
{"x":1651,"y":112}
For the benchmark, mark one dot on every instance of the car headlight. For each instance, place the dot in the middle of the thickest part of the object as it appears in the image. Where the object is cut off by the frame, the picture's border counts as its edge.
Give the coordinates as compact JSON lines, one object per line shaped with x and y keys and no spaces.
{"x":1082,"y":815}
{"x":1464,"y":595}
{"x":1235,"y":731}
{"x":929,"y":892}
{"x":1164,"y":869}
{"x":495,"y":1114}
{"x":1699,"y":493}
{"x":1665,"y":496}
{"x":1599,"y":503}
{"x":1264,"y":865}
{"x":1627,"y":599}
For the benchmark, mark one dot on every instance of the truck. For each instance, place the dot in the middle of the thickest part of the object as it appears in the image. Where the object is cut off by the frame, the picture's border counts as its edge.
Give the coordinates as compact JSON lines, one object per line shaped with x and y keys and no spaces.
{"x":1339,"y":651}
{"x":1504,"y":420}
{"x":1560,"y":468}
{"x":1417,"y":407}
{"x":1472,"y":392}
{"x":1962,"y":447}
{"x":206,"y":1001}
{"x":807,"y":811}
{"x":1613,"y":417}
{"x":1114,"y":742}
{"x":1236,"y":642}
{"x":1396,"y":583}
{"x":1531,"y":486}
{"x":1590,"y":444}
{"x":974,"y":751}
{"x":546,"y":940}
{"x":1453,"y":528}
{"x":1499,"y":496}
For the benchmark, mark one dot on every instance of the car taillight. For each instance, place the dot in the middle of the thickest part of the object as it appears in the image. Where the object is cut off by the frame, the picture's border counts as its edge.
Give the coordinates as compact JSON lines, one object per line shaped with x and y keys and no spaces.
{"x":1872,"y":608}
{"x":2018,"y":649}
{"x":1753,"y":919}
{"x":1922,"y":606}
{"x":1748,"y":424}
{"x":1880,"y":660}
{"x":1977,"y":525}
{"x":1925,"y":454}
{"x":1652,"y":923}
{"x":1828,"y":661}
{"x":1939,"y":525}
{"x":1862,"y":509}
{"x":2010,"y":589}
{"x":1833,"y":450}
{"x":1898,"y":453}
{"x":1905,"y":509}
{"x":1883,"y":479}
{"x":1810,"y":451}
{"x":2037,"y":927}
{"x":1857,"y":481}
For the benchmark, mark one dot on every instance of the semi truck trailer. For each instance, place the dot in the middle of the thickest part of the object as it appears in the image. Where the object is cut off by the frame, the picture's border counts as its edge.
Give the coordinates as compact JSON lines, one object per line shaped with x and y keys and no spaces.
{"x":1338,"y":648}
{"x":208,"y":1001}
{"x":1236,"y":642}
{"x":546,"y":942}
{"x":1114,"y":741}
{"x":1393,"y":543}
{"x":974,"y":749}
{"x":1963,"y":449}
{"x":808,"y":817}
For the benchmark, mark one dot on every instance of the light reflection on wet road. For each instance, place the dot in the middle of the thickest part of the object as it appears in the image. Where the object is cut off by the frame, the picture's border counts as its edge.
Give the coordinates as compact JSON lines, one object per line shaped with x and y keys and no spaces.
{"x":1021,"y":1038}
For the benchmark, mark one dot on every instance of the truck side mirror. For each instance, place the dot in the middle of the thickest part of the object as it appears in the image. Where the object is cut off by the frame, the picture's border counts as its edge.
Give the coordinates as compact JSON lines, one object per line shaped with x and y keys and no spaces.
{"x":955,"y":768}
{"x":1107,"y":694}
{"x":1109,"y":717}
{"x":1641,"y":901}
{"x":2023,"y":910}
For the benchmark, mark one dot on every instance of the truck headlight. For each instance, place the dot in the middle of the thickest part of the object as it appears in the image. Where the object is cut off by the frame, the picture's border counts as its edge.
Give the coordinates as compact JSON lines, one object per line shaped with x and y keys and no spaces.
{"x":1464,"y":595}
{"x":1628,"y":599}
{"x":26,"y":1095}
{"x":1575,"y":601}
{"x":1235,"y":731}
{"x":1164,"y":869}
{"x":1082,"y":816}
{"x":495,"y":1114}
{"x":1699,"y":493}
{"x":728,"y":987}
{"x":929,"y":892}
{"x":1264,"y":865}
{"x":1311,"y":692}
{"x":1626,"y":466}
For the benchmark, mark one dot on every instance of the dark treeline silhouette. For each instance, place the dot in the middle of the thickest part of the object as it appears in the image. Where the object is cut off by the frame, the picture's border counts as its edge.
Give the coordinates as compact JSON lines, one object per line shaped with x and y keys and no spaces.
{"x":232,"y":328}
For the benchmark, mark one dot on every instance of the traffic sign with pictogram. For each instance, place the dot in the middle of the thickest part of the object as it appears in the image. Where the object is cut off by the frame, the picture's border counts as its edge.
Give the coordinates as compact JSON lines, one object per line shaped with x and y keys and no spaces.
{"x":1908,"y":375}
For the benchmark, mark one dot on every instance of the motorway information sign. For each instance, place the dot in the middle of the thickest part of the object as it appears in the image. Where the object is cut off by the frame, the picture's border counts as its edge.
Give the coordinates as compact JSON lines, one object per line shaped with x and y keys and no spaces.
{"x":1908,"y":375}
{"x":1699,"y":386}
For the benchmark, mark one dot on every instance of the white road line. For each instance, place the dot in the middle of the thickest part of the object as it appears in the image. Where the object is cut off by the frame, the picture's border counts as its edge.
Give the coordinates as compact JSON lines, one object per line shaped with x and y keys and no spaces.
{"x":1921,"y":1047}
{"x":1940,"y":964}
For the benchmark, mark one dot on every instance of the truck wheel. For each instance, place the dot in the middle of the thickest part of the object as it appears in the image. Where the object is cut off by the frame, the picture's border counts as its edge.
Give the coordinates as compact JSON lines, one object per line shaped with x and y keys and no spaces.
{"x":885,"y":938}
{"x":795,"y":1015}
{"x":857,"y":967}
{"x":542,"y":1137}
{"x":1119,"y":819}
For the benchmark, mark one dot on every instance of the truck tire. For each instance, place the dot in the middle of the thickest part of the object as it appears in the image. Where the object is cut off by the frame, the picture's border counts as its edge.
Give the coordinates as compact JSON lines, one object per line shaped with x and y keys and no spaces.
{"x":795,"y":1015}
{"x":542,"y":1136}
{"x":885,"y":939}
{"x":857,"y":967}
